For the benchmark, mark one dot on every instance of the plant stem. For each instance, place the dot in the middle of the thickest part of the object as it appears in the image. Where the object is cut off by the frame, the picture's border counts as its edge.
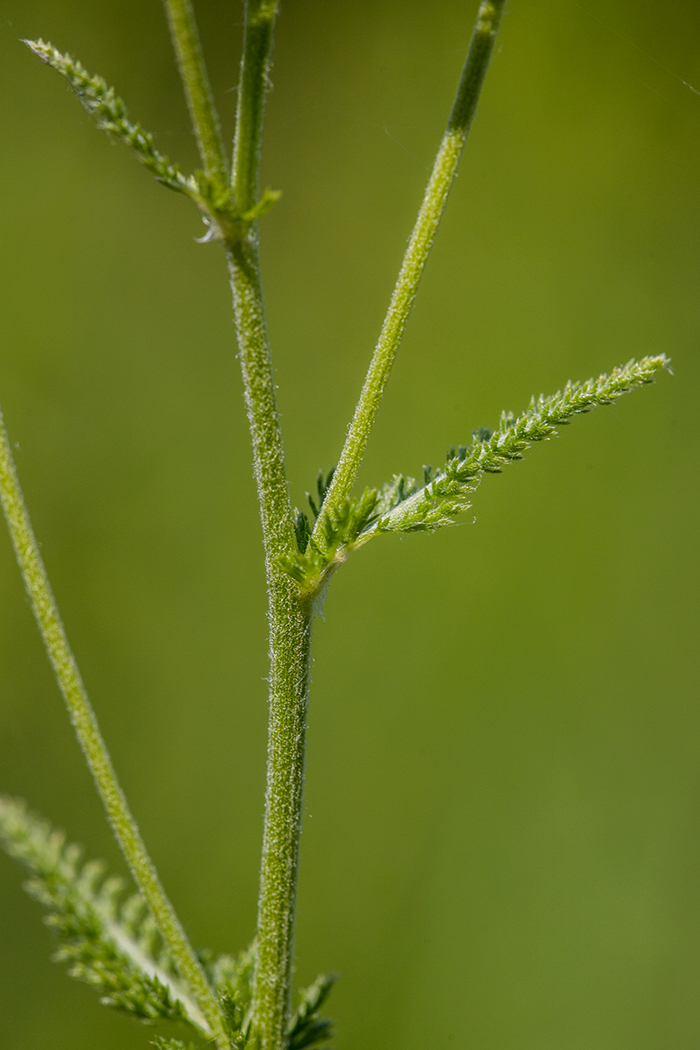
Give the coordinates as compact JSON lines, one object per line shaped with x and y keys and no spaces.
{"x":260,"y":17}
{"x":290,"y":640}
{"x":205,"y":120}
{"x":290,"y":643}
{"x":416,"y":255}
{"x":88,"y":732}
{"x":289,"y":615}
{"x":260,"y":398}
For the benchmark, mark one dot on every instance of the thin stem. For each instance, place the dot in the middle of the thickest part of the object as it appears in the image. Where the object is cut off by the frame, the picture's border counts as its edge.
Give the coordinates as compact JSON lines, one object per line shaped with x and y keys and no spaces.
{"x":88,"y":732}
{"x":290,"y":640}
{"x":260,"y":396}
{"x":416,"y":255}
{"x":260,"y":16}
{"x":290,"y":643}
{"x":289,"y":615}
{"x":200,"y":101}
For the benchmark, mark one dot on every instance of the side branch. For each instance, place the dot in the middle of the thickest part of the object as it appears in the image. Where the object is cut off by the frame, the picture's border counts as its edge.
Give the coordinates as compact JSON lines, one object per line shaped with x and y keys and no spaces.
{"x":205,"y":120}
{"x":416,"y":256}
{"x":88,"y":732}
{"x":260,"y":18}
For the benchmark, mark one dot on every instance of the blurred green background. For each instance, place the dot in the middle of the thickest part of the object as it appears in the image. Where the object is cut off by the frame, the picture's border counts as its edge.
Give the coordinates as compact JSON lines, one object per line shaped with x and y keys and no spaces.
{"x":502,"y":838}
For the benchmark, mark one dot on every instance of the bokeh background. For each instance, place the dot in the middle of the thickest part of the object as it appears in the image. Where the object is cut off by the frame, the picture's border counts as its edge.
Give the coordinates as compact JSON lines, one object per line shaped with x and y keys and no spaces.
{"x":502,"y":838}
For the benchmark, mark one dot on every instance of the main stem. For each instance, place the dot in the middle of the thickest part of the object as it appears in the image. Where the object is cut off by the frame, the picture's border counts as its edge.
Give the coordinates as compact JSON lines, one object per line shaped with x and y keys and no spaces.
{"x":289,"y":615}
{"x":290,"y":640}
{"x":416,"y":255}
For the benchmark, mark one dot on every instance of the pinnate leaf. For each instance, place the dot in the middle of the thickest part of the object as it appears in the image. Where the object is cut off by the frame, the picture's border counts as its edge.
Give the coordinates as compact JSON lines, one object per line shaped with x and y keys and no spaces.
{"x":108,"y":941}
{"x":102,"y":102}
{"x":306,"y":1029}
{"x":405,"y":505}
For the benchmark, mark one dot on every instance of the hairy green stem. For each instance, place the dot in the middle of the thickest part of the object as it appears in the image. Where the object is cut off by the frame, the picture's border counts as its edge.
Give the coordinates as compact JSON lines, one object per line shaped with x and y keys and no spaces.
{"x":290,"y":639}
{"x":416,"y":255}
{"x":205,"y":120}
{"x":289,"y":615}
{"x":260,"y":397}
{"x":260,"y":16}
{"x":290,"y":643}
{"x":88,"y":732}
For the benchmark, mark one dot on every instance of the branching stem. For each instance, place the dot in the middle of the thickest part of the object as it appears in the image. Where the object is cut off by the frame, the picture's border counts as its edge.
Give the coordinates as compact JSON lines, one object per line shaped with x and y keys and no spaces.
{"x":88,"y":732}
{"x":290,"y":610}
{"x":416,"y":255}
{"x":290,"y":615}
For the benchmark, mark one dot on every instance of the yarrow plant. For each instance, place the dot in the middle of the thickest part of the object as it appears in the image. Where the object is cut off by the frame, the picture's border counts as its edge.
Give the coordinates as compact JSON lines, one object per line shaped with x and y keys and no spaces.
{"x":130,"y":946}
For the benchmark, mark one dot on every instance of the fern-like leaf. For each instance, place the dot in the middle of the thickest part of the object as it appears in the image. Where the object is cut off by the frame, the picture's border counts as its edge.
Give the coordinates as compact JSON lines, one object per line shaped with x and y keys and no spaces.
{"x":108,"y":109}
{"x":340,"y":530}
{"x":302,"y":523}
{"x":404,"y":505}
{"x":232,"y":979}
{"x":170,"y":1044}
{"x":109,"y":942}
{"x":306,"y":1029}
{"x":446,"y":492}
{"x":102,"y":102}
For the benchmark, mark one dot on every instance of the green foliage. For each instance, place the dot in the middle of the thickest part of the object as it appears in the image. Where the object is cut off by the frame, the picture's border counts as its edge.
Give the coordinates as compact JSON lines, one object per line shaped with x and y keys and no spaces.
{"x":337,"y":528}
{"x":306,"y":1029}
{"x":302,"y":524}
{"x":108,"y":941}
{"x":340,"y":531}
{"x":232,"y":979}
{"x":109,"y":110}
{"x":102,"y":102}
{"x":113,"y":942}
{"x":231,"y":975}
{"x":445,"y":493}
{"x":403,"y":505}
{"x":268,"y":200}
{"x":170,"y":1044}
{"x":322,"y":486}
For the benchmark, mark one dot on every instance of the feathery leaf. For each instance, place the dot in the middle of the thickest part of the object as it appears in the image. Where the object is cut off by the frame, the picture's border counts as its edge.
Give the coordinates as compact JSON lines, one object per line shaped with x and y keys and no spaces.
{"x":107,"y":941}
{"x":306,"y":1029}
{"x":313,"y":563}
{"x":232,"y":979}
{"x":102,"y":102}
{"x":404,"y":505}
{"x":170,"y":1044}
{"x":446,"y":492}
